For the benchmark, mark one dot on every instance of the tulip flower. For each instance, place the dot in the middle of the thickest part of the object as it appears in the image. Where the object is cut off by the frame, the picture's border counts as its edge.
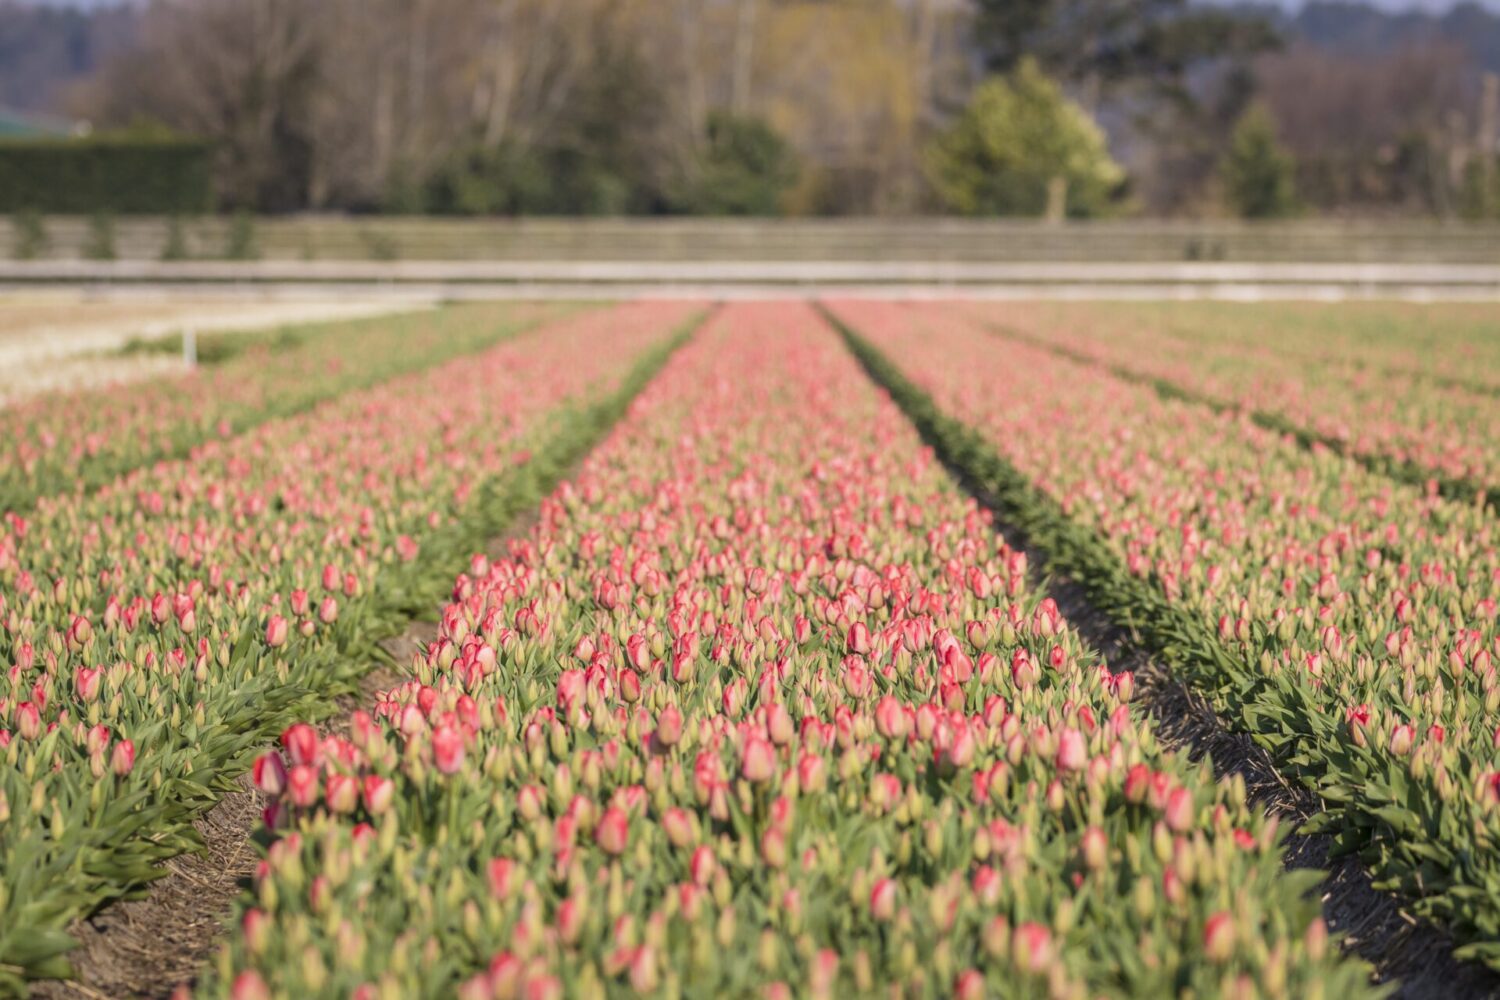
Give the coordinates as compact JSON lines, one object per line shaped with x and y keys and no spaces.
{"x":883,"y":900}
{"x":448,"y":749}
{"x":613,"y":831}
{"x":122,"y":758}
{"x":276,"y":632}
{"x":757,"y":760}
{"x":269,"y":774}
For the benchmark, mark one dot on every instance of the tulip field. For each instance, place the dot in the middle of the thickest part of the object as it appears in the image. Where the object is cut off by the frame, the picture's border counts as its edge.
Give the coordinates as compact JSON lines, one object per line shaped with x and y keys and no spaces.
{"x":748,"y":678}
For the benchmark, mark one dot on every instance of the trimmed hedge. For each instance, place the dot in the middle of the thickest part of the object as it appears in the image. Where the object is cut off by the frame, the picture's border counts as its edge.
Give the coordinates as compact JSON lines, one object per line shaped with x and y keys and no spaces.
{"x":83,"y":176}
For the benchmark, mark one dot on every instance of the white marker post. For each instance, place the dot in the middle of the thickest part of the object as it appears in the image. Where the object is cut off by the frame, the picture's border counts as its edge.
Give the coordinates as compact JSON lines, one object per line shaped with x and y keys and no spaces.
{"x":189,"y":349}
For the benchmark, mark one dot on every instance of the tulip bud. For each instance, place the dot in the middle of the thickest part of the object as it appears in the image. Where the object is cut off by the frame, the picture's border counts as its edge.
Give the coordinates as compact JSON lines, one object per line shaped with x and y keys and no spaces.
{"x":269,"y":774}
{"x":1179,"y":810}
{"x":883,"y":900}
{"x":1218,"y":937}
{"x":378,"y":793}
{"x":613,"y":832}
{"x":1072,"y":750}
{"x":1401,"y":740}
{"x":1031,"y":948}
{"x":669,"y":726}
{"x":448,"y":749}
{"x":757,"y":760}
{"x":122,"y":758}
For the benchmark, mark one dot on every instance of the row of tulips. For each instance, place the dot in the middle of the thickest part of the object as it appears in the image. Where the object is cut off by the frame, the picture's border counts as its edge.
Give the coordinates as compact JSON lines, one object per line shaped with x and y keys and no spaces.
{"x":762,"y":706}
{"x":1448,"y":343}
{"x":1398,"y":423}
{"x":156,"y":632}
{"x":75,"y":442}
{"x":1347,"y":621}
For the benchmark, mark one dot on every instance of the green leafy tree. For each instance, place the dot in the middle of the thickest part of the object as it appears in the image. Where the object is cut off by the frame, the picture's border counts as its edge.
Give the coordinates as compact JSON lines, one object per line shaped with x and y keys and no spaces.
{"x":745,"y":169}
{"x":1259,"y":176}
{"x":1021,"y":146}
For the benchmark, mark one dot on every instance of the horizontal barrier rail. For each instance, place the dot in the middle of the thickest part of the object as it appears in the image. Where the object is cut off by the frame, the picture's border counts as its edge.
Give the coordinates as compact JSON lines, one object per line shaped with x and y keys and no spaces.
{"x":302,"y":238}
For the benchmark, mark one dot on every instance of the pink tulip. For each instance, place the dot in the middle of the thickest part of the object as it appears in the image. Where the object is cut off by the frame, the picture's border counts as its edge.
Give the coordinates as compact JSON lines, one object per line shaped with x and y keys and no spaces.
{"x":122,"y":758}
{"x":757,"y":760}
{"x":613,"y":832}
{"x":1031,"y":947}
{"x":1179,"y":810}
{"x":702,"y":866}
{"x":890,"y":718}
{"x":678,"y":827}
{"x":276,"y":632}
{"x":501,"y":876}
{"x":1095,"y":848}
{"x":255,"y":928}
{"x":86,"y":682}
{"x":301,"y":742}
{"x":98,"y":739}
{"x":883,"y":900}
{"x":378,"y":794}
{"x":302,"y":785}
{"x":249,"y":985}
{"x":341,"y":793}
{"x":28,"y":721}
{"x":1072,"y":751}
{"x":669,"y":726}
{"x":448,"y":749}
{"x":1401,"y":739}
{"x":269,"y":774}
{"x":1218,"y":937}
{"x":779,"y":724}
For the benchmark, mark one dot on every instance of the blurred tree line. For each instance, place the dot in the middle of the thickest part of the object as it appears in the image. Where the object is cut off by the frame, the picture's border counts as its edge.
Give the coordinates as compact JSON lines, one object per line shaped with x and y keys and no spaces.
{"x":1033,"y":107}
